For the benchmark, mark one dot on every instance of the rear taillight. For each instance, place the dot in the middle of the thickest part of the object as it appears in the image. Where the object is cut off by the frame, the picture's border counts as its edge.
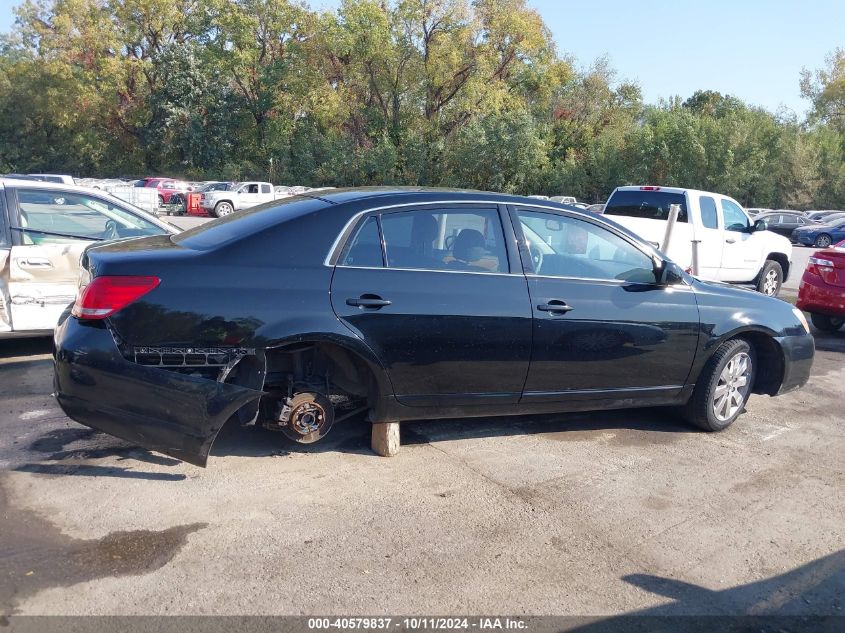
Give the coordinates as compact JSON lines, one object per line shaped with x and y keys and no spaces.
{"x":649,"y":188}
{"x":817,"y":266}
{"x":106,"y":295}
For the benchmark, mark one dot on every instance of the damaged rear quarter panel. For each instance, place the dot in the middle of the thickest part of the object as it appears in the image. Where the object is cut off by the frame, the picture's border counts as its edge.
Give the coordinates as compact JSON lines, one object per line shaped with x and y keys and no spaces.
{"x":162,"y":410}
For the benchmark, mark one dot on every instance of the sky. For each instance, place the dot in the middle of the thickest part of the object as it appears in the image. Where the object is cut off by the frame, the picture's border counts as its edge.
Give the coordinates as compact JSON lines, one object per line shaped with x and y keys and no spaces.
{"x":751,"y":49}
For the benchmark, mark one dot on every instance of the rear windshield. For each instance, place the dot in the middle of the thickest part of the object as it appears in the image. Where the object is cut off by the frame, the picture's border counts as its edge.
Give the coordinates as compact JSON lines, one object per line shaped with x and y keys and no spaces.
{"x":650,"y":205}
{"x":245,"y":223}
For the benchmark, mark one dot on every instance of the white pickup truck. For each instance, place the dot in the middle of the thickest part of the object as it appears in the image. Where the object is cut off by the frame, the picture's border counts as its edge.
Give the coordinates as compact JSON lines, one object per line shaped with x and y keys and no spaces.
{"x":731,"y":247}
{"x":240,"y":195}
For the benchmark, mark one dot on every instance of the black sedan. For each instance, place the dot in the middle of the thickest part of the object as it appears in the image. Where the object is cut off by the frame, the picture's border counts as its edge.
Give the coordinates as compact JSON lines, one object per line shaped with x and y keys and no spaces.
{"x":784,"y":222}
{"x":407,"y":305}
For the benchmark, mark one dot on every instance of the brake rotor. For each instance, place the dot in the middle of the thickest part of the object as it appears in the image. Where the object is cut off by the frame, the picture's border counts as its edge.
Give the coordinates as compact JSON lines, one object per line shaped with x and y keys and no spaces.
{"x":310,"y":419}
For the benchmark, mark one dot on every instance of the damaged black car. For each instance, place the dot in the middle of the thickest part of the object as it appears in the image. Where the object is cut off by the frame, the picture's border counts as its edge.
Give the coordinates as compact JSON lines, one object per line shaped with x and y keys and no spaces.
{"x":406,"y":304}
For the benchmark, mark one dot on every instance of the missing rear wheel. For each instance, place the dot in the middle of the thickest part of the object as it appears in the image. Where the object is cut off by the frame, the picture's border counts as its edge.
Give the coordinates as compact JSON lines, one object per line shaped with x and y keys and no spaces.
{"x":307,"y":418}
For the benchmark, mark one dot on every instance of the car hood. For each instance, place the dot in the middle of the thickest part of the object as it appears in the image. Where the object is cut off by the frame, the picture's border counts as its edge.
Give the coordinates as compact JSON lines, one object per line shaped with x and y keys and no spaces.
{"x":747,"y":306}
{"x":816,"y":227}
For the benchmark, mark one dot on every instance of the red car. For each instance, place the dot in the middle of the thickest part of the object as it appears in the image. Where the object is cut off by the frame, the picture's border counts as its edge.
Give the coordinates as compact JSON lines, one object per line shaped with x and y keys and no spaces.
{"x":166,"y":187}
{"x":822,"y":289}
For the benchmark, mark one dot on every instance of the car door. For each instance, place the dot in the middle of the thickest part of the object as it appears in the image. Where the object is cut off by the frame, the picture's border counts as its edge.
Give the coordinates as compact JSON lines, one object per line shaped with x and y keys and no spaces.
{"x":266,"y":193}
{"x":603,"y":328}
{"x":248,"y":195}
{"x":743,"y":249}
{"x":433,"y":292}
{"x":50,"y":229}
{"x":709,"y":234}
{"x":5,"y":253}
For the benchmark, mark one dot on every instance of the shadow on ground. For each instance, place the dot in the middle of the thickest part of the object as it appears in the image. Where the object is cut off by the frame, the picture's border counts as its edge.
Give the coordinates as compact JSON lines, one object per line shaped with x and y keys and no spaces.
{"x":807,"y":598}
{"x":630,"y":427}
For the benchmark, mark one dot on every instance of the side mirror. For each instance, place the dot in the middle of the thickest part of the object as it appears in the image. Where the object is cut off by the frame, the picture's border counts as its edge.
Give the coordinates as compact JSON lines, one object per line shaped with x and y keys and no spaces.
{"x":667,"y":273}
{"x":760,"y":225}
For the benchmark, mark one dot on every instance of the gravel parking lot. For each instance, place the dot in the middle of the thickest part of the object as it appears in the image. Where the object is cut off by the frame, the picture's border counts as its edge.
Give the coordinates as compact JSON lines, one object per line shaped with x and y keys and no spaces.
{"x":597,"y":514}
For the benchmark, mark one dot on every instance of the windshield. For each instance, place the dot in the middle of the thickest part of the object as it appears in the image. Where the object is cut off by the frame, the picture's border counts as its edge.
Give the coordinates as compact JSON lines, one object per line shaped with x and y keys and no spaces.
{"x":214,"y":186}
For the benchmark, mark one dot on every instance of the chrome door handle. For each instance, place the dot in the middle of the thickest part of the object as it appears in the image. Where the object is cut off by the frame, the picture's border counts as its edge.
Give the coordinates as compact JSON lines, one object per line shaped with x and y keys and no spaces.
{"x":368,"y":301}
{"x":555,"y":306}
{"x":730,"y":240}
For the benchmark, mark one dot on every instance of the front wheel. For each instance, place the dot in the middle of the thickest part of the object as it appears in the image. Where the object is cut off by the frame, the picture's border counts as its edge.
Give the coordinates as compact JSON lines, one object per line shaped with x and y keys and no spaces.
{"x":223,"y":208}
{"x":723,"y":388}
{"x":827,"y":323}
{"x":770,"y":279}
{"x":823,"y":241}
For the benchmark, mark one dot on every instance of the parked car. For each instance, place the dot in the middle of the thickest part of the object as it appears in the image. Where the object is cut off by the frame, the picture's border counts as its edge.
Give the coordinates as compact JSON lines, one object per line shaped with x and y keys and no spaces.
{"x":754,"y":212}
{"x":166,"y":187}
{"x":61,"y":178}
{"x":596,"y":208}
{"x":44,"y":228}
{"x":783,"y":222}
{"x":408,"y":305}
{"x":213,"y":185}
{"x":822,"y":288}
{"x":820,"y":235}
{"x":732,"y":248}
{"x":242,"y":195}
{"x":563,"y":199}
{"x":819,"y":216}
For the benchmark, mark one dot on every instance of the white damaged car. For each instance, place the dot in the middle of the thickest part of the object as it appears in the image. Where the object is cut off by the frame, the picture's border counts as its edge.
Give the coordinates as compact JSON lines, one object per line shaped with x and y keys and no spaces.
{"x":44,"y":227}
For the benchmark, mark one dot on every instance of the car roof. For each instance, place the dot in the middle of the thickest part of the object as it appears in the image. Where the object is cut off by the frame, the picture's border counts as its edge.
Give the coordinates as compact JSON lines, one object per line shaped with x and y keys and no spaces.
{"x":396,"y":194}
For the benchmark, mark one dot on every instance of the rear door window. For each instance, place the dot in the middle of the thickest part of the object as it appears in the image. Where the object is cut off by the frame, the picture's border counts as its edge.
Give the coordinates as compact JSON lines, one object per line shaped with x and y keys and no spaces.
{"x":265,"y":188}
{"x":649,"y":205}
{"x":365,"y":248}
{"x":456,"y":240}
{"x":709,"y":217}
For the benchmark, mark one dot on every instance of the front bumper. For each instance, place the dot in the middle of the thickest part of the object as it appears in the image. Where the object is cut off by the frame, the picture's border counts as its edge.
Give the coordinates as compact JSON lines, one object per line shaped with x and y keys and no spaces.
{"x":798,"y":352}
{"x":159,"y":409}
{"x":802,"y":239}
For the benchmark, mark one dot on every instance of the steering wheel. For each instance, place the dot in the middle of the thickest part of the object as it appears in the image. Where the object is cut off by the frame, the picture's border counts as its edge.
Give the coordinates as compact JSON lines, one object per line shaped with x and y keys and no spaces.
{"x":536,"y":256}
{"x":110,"y":231}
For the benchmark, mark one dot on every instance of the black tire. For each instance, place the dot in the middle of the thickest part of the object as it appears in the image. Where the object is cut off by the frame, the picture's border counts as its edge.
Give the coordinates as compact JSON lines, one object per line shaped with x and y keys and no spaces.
{"x":823,"y":241}
{"x":827,"y":323}
{"x":770,"y":279}
{"x":700,"y":410}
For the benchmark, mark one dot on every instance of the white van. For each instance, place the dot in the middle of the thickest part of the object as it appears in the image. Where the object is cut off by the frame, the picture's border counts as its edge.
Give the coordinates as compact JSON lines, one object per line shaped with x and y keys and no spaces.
{"x":731,"y":246}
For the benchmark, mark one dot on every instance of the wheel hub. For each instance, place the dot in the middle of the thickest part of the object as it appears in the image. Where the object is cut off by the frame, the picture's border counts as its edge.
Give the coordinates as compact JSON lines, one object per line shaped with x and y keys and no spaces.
{"x":770,"y":286}
{"x":307,"y":418}
{"x":733,"y":387}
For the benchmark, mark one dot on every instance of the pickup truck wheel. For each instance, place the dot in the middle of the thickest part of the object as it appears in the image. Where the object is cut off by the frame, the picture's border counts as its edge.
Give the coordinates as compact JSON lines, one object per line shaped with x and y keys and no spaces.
{"x":770,"y":279}
{"x":223,"y":208}
{"x":823,"y":241}
{"x":723,"y":387}
{"x":827,"y":323}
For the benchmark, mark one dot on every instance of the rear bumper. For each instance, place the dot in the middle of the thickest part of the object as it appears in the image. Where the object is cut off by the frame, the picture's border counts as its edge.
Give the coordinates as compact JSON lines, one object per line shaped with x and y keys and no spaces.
{"x":158,"y":409}
{"x":814,"y":295}
{"x":798,"y":352}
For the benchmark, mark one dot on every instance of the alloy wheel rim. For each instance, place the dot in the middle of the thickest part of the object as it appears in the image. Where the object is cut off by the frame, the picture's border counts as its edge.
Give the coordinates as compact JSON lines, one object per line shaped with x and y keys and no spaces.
{"x":824,"y":242}
{"x":770,"y":285}
{"x":732,"y":389}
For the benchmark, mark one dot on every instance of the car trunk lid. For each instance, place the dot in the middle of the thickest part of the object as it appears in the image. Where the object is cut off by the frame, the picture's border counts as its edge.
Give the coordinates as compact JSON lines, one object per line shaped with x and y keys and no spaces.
{"x":829,"y":264}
